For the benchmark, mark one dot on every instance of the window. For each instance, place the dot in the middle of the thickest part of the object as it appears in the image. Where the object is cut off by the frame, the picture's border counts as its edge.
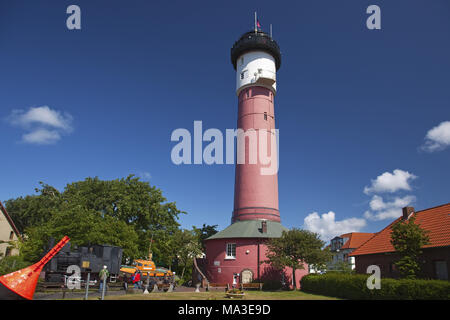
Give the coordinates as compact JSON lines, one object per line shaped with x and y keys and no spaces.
{"x":231,"y":251}
{"x":8,"y":252}
{"x":336,"y":243}
{"x":11,"y":235}
{"x":265,"y":116}
{"x":242,"y":60}
{"x":243,"y":74}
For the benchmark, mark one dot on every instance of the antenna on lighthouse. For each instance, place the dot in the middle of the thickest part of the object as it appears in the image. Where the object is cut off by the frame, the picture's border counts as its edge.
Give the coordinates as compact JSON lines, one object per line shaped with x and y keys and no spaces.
{"x":270,"y":31}
{"x":256,"y":28}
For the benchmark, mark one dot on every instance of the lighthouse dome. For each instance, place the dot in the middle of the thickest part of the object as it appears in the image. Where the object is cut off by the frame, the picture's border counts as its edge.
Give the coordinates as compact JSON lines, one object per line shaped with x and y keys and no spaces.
{"x":255,"y":41}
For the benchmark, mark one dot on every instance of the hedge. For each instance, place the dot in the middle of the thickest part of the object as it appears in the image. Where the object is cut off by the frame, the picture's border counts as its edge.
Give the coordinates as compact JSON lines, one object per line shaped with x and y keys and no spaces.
{"x":350,"y":286}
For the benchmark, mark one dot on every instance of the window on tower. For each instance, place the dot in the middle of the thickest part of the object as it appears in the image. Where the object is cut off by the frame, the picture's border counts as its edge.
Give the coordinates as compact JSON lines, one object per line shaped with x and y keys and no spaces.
{"x":231,"y":251}
{"x":265,"y":116}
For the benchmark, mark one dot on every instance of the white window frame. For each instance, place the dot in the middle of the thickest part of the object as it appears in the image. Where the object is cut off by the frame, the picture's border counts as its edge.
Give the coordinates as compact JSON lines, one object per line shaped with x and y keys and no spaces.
{"x":228,"y":245}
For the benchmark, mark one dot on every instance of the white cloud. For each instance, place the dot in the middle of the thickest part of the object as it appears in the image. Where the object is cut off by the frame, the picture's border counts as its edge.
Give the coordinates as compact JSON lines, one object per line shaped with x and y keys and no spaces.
{"x":437,"y":138}
{"x":43,"y":124}
{"x":381,"y":210}
{"x":41,"y":136}
{"x":388,"y":182}
{"x":326,"y":226}
{"x":41,"y":116}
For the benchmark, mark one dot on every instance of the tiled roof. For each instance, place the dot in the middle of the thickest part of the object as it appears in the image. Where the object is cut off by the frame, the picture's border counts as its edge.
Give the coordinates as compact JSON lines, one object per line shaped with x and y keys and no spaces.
{"x":356,"y":239}
{"x":11,"y":222}
{"x":436,"y":220}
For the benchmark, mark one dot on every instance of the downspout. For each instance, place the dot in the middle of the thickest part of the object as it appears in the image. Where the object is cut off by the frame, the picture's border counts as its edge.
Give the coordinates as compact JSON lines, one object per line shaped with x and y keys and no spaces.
{"x":258,"y":261}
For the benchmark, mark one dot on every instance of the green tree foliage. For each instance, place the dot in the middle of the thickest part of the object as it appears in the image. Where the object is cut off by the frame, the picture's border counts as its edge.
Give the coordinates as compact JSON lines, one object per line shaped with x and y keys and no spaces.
{"x":125,"y":212}
{"x":295,"y":248}
{"x":188,"y":247}
{"x":11,"y":264}
{"x":341,"y":266}
{"x":204,"y":233}
{"x":33,"y":210}
{"x":408,"y":238}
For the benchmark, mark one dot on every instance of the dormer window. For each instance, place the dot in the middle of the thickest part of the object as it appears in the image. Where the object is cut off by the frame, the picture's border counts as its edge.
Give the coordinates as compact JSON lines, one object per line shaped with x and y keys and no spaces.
{"x":336,"y":243}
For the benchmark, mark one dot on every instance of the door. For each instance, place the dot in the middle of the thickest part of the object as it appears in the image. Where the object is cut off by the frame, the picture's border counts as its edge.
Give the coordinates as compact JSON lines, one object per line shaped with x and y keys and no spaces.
{"x":441,"y":270}
{"x":246,"y":276}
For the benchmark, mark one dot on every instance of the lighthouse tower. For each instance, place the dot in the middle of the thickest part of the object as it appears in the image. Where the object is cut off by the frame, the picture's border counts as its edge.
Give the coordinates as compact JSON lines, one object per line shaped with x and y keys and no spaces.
{"x":235,"y":254}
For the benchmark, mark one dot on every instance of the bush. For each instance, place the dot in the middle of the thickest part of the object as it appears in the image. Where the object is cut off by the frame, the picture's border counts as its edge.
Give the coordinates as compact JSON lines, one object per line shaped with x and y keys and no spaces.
{"x":354,"y":287}
{"x":272,"y":285}
{"x":11,"y":264}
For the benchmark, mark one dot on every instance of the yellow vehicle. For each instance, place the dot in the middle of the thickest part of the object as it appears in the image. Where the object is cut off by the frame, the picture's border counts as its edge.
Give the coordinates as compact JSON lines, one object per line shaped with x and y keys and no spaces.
{"x":145,"y":267}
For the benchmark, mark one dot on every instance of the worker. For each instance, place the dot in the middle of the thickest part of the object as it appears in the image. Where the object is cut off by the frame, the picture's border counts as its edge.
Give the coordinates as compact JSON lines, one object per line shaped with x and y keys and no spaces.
{"x":103,"y":275}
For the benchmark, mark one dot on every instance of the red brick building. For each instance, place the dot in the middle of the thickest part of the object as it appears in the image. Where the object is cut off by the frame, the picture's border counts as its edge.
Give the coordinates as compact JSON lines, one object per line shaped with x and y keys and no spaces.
{"x":435,"y":259}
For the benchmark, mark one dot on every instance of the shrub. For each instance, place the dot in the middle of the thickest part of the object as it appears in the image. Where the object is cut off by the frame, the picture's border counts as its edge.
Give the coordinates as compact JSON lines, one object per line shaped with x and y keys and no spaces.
{"x":272,"y":285}
{"x":349,"y":286}
{"x":11,"y":264}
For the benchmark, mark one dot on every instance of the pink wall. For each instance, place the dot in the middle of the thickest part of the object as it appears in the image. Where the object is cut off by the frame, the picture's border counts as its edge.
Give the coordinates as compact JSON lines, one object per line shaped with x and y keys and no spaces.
{"x":215,"y":252}
{"x":255,"y":195}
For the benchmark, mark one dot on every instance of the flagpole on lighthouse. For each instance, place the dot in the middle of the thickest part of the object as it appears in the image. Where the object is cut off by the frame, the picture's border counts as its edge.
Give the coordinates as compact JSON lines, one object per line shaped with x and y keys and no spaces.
{"x":256,"y":28}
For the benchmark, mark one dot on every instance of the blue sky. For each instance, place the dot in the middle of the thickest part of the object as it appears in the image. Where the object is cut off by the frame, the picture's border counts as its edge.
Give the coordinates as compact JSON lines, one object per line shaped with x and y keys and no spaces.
{"x":352,"y":103}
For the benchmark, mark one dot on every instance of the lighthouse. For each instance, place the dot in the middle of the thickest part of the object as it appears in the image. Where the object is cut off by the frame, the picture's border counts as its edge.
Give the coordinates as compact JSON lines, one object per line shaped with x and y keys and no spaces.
{"x":236,"y":254}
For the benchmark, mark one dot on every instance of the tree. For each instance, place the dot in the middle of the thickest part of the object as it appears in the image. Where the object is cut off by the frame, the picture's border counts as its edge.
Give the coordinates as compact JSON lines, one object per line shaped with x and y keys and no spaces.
{"x":125,"y":212}
{"x":33,"y":210}
{"x":294,"y":249}
{"x":204,"y":233}
{"x":188,"y":248}
{"x":408,"y":238}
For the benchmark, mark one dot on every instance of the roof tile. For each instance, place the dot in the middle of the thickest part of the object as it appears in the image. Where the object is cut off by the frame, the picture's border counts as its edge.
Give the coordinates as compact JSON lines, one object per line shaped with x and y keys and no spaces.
{"x":436,"y":220}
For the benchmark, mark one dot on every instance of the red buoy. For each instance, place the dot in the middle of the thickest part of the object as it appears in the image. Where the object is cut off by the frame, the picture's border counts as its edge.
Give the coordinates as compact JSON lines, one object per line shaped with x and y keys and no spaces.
{"x":21,"y":284}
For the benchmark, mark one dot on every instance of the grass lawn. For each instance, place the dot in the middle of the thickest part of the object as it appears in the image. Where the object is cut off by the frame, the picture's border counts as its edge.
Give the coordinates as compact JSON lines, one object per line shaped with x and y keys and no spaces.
{"x":220,"y":295}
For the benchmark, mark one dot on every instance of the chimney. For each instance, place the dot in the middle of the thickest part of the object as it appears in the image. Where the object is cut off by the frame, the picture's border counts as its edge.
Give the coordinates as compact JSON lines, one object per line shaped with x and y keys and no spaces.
{"x":264,"y":226}
{"x":407,"y":211}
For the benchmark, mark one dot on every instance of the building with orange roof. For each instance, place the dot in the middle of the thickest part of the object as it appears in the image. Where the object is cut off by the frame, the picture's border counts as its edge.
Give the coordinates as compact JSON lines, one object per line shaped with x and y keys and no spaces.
{"x":343,"y":245}
{"x":435,"y":258}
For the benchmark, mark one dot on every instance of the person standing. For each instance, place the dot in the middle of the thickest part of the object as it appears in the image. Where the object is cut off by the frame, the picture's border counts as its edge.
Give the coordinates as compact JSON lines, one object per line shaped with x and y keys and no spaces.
{"x":136,"y":279}
{"x":103,"y":275}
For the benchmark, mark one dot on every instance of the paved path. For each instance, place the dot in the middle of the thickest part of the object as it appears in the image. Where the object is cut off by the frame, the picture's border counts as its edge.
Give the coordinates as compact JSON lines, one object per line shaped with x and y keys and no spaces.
{"x":58,"y":295}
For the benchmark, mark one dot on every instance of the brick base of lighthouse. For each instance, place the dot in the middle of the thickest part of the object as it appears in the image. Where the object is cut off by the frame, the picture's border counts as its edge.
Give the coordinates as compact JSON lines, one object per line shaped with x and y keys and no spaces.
{"x":246,"y":265}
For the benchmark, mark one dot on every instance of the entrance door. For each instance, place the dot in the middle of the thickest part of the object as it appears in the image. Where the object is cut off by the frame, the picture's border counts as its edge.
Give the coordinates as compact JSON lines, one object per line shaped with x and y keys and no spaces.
{"x":441,"y":270}
{"x":246,"y":276}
